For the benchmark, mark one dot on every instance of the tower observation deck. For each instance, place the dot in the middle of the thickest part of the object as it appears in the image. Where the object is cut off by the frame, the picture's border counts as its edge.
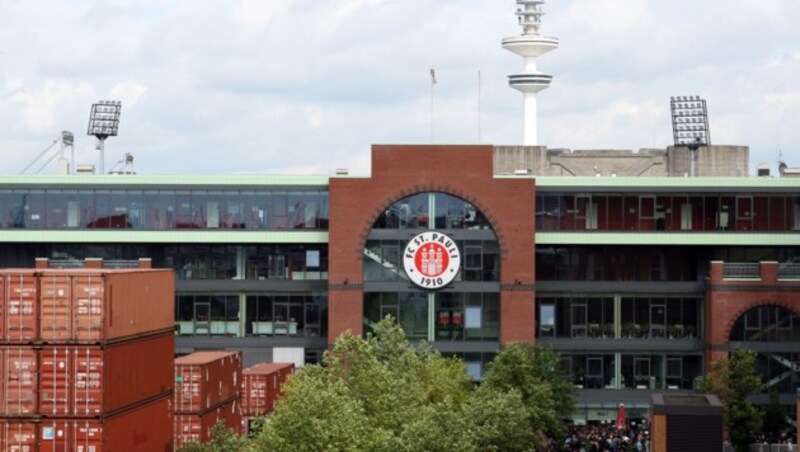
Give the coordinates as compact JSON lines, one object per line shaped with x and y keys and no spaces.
{"x":530,"y":45}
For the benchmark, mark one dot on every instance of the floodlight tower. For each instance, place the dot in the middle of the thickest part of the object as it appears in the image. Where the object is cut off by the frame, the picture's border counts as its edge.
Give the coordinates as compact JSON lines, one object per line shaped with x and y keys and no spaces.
{"x":690,"y":125}
{"x":68,"y":141}
{"x":530,"y":45}
{"x":104,"y":123}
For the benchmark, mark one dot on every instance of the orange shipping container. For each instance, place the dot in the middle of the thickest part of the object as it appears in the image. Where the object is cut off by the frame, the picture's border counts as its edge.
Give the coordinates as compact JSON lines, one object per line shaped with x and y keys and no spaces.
{"x":18,"y":307}
{"x":261,"y":386}
{"x":206,"y":379}
{"x":17,"y":435}
{"x":94,"y":306}
{"x":196,"y":428}
{"x":91,"y":380}
{"x":18,"y":388}
{"x":143,"y":428}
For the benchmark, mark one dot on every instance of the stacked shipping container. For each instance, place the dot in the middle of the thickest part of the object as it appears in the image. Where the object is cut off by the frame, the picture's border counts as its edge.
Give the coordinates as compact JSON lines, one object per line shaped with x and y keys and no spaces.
{"x":261,"y":386}
{"x":86,"y":359}
{"x":207,"y":386}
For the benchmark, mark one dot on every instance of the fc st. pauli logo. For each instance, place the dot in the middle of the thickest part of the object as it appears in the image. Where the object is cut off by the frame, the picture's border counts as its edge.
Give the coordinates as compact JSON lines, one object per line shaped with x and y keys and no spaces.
{"x":432,"y":260}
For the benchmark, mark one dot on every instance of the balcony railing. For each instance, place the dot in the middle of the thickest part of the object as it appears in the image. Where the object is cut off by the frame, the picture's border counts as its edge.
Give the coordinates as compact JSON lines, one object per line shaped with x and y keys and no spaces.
{"x":789,"y":270}
{"x":741,"y":271}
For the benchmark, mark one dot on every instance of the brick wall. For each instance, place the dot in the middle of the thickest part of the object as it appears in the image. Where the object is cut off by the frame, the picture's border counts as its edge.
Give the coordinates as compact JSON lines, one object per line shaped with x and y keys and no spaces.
{"x":729,"y":299}
{"x":464,"y":171}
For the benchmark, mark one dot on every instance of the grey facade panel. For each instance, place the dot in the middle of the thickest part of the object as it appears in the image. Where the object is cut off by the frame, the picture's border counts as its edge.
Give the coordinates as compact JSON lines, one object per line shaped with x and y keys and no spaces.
{"x":242,"y":285}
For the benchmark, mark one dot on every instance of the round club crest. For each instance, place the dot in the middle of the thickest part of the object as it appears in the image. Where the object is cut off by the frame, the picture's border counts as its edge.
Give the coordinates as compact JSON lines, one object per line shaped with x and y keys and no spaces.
{"x":432,"y":260}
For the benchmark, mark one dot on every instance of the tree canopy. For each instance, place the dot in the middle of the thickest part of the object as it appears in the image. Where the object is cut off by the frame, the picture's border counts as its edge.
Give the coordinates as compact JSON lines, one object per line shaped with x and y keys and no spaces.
{"x":380,"y":392}
{"x":733,"y":380}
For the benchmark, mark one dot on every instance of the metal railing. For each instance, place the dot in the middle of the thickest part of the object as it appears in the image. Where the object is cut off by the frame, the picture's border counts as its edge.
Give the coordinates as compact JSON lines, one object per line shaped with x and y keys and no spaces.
{"x":789,"y":270}
{"x":120,"y":264}
{"x":741,"y":270}
{"x":66,"y":263}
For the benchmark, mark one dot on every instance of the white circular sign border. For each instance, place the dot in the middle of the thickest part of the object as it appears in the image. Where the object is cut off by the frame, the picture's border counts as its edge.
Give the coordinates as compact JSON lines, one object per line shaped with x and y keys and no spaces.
{"x":449,"y":274}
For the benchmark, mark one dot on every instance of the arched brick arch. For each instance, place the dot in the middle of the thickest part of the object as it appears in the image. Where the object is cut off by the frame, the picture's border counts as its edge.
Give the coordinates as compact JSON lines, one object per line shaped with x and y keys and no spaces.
{"x":793,"y":307}
{"x":463,"y":171}
{"x":408,"y":191}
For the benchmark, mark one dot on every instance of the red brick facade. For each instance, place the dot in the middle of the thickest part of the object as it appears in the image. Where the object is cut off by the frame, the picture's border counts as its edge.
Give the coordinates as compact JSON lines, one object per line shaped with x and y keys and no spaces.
{"x":463,"y":171}
{"x":729,"y":299}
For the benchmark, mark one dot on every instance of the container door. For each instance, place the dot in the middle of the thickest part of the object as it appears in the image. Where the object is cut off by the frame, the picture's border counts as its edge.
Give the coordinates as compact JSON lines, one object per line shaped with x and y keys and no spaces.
{"x":202,"y":318}
{"x":88,"y":380}
{"x":88,"y":436}
{"x":54,"y":382}
{"x":17,"y":435}
{"x":55,"y":309}
{"x":56,"y":435}
{"x":188,"y":385}
{"x":18,"y":368}
{"x":20,"y":307}
{"x":89,"y":316}
{"x":187,"y":430}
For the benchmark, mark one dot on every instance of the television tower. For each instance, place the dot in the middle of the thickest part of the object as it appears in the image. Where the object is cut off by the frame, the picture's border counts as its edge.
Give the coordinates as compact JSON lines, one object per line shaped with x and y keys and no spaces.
{"x":530,"y":45}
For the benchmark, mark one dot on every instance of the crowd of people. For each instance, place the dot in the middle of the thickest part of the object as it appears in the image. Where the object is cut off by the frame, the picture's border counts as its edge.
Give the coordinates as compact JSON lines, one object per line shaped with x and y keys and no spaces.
{"x":602,"y":438}
{"x":787,"y":439}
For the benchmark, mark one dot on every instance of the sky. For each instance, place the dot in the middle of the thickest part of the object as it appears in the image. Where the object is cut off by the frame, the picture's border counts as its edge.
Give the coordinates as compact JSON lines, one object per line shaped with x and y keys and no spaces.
{"x":306,"y":87}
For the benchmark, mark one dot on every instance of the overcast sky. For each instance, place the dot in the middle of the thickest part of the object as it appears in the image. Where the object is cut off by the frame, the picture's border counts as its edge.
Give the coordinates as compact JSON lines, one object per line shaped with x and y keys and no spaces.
{"x":288,"y":86}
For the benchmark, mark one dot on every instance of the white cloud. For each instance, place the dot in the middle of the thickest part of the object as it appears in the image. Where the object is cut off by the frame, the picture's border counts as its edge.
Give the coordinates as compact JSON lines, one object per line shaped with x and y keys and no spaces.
{"x":282,"y":86}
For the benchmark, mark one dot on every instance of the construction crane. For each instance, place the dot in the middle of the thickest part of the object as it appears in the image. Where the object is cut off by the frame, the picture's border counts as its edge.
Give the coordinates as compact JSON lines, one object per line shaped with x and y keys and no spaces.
{"x":67,"y":140}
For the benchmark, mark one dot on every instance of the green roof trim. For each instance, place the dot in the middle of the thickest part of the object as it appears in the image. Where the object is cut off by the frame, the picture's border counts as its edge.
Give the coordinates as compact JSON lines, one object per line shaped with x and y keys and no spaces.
{"x":669,"y":238}
{"x":128,"y":180}
{"x":179,"y":236}
{"x":690,"y":183}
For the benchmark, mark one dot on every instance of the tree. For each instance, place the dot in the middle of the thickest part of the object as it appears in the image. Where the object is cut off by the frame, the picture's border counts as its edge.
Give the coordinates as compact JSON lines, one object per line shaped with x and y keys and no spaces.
{"x":386,"y":387}
{"x":382,"y":393}
{"x":534,"y":372}
{"x":498,"y":421}
{"x":774,"y":418}
{"x":317,"y":413}
{"x":733,"y":380}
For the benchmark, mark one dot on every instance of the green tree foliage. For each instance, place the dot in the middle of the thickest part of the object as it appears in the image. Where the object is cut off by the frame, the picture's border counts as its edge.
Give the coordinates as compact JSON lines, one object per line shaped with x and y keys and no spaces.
{"x":775,"y":421}
{"x":381,"y":393}
{"x":733,"y":380}
{"x":498,"y":421}
{"x":534,"y":372}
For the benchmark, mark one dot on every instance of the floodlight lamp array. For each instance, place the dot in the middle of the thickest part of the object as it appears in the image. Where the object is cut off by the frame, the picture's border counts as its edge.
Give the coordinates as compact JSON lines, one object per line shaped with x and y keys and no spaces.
{"x":690,"y":121}
{"x":67,"y":138}
{"x":104,"y":119}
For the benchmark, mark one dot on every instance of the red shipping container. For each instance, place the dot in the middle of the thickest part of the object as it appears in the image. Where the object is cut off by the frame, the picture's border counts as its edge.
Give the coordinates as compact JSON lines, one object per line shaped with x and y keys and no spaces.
{"x":206,"y":379}
{"x":17,"y":435}
{"x":95,"y":306}
{"x":143,"y":428}
{"x":18,"y":306}
{"x":91,"y":380}
{"x":196,"y":428}
{"x":261,"y":386}
{"x":19,"y":374}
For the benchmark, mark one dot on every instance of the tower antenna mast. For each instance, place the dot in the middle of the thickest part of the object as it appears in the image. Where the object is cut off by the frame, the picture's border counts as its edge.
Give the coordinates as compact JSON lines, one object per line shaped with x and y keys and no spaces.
{"x":530,"y":45}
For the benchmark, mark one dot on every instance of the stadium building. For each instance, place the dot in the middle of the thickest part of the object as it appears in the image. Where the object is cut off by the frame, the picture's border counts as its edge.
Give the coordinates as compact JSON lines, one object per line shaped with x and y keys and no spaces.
{"x":640,"y":268}
{"x":639,"y":281}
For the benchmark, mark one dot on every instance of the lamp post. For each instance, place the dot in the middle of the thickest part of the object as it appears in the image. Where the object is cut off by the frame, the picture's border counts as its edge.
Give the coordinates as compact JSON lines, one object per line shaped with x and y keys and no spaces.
{"x":690,"y":125}
{"x":104,"y":123}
